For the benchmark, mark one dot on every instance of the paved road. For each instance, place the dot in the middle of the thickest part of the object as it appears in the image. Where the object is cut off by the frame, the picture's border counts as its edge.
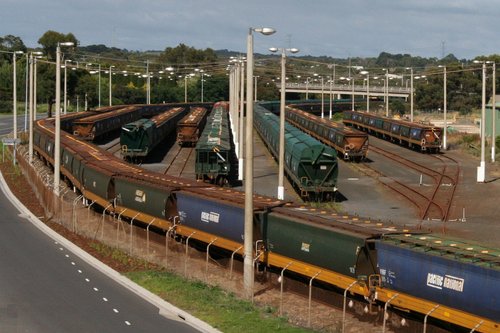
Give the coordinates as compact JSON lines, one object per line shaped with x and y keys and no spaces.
{"x":46,"y":288}
{"x":6,"y":122}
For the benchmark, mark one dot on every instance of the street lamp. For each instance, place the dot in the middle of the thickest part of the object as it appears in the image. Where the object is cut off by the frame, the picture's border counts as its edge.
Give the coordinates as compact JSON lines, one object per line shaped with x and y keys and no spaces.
{"x":57,"y":145}
{"x":14,"y":92}
{"x":481,"y":169}
{"x":248,"y":274}
{"x":281,"y":165}
{"x":445,"y":104}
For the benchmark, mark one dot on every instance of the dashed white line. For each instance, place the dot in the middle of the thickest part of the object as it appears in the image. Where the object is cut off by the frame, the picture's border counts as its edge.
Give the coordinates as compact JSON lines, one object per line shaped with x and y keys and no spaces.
{"x":94,"y":288}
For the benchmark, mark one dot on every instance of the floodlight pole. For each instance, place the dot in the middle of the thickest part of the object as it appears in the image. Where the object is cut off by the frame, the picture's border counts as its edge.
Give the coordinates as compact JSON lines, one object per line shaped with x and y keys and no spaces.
{"x":248,"y":271}
{"x":57,"y":144}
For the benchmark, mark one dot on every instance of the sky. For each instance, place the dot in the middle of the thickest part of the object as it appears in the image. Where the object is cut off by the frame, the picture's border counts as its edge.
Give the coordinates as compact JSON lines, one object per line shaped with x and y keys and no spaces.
{"x":340,"y":29}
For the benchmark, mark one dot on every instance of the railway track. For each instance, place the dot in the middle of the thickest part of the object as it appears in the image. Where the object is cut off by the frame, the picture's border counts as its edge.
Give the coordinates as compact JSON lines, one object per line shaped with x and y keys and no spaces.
{"x":113,"y":146}
{"x":432,"y":202}
{"x":178,"y":162}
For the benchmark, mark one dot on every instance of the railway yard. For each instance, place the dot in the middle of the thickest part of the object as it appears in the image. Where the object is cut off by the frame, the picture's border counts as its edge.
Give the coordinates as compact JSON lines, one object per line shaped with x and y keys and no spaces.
{"x":392,"y":190}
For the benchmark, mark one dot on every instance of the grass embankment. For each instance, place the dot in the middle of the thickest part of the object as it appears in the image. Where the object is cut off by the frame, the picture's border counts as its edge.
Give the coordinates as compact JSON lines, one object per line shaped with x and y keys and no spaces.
{"x":219,"y":308}
{"x":211,"y":304}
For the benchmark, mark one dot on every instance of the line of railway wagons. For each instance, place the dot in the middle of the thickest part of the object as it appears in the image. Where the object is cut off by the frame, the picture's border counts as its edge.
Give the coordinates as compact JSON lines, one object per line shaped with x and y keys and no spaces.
{"x":214,"y":147}
{"x":190,"y":127}
{"x":139,"y":138}
{"x":424,"y":137}
{"x":349,"y":143}
{"x":457,"y":281}
{"x":309,"y":164}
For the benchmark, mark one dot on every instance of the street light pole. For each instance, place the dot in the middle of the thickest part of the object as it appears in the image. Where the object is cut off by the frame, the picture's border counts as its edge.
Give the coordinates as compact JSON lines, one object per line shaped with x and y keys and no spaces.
{"x":57,"y":144}
{"x":26,"y":93}
{"x":110,"y":84}
{"x":248,"y":273}
{"x":494,"y":113}
{"x":386,"y":92}
{"x":14,"y":92}
{"x":148,"y":84}
{"x":481,"y":170}
{"x":281,"y":160}
{"x":322,"y":99}
{"x":445,"y":104}
{"x":411,"y":94}
{"x":445,"y":107}
{"x":352,"y":91}
{"x":331,"y":99}
{"x":255,"y":88}
{"x":65,"y":84}
{"x":30,"y":144}
{"x":307,"y":88}
{"x":202,"y":74}
{"x":241,"y":98}
{"x":99,"y":80}
{"x":367,"y":90}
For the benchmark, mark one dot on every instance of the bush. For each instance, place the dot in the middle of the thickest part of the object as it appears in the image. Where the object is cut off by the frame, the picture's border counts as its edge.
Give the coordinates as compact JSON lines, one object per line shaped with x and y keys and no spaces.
{"x":5,"y":106}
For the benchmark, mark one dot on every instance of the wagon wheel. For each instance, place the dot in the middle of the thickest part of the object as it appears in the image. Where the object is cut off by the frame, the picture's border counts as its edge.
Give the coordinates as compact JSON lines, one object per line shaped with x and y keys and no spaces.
{"x":222,"y":181}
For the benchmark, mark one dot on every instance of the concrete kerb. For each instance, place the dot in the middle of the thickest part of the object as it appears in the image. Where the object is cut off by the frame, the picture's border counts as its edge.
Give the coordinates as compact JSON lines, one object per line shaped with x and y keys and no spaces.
{"x":165,"y":309}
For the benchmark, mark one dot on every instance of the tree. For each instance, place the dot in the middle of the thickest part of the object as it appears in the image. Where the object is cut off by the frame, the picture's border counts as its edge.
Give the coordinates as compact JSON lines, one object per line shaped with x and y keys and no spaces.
{"x":398,"y":107}
{"x":10,"y":43}
{"x":183,"y":54}
{"x":50,"y":39}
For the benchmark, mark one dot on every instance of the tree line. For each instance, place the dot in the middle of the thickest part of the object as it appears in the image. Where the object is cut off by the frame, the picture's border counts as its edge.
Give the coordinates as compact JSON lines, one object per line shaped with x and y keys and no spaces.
{"x":191,"y":66}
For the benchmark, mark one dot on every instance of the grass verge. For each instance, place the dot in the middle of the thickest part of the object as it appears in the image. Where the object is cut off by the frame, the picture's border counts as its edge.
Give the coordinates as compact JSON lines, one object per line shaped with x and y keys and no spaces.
{"x":213,"y":305}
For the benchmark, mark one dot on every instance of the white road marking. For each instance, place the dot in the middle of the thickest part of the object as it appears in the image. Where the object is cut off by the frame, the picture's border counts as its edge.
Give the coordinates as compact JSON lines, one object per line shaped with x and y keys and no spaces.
{"x":115,"y":311}
{"x":80,"y":271}
{"x":128,"y":323}
{"x":61,"y":249}
{"x":67,"y":255}
{"x":95,"y":289}
{"x":87,"y":280}
{"x":73,"y":263}
{"x":104,"y":299}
